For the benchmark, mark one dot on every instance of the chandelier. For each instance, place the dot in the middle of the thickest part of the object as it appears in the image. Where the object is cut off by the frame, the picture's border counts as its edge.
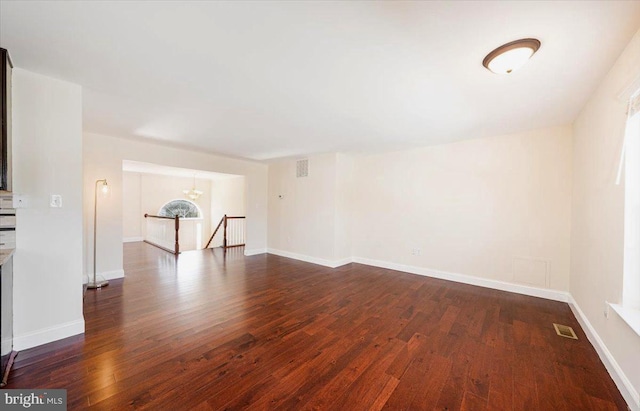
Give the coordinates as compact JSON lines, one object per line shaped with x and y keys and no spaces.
{"x":193,"y":194}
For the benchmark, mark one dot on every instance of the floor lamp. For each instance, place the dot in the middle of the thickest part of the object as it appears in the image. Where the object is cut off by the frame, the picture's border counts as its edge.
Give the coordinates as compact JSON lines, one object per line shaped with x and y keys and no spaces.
{"x":105,"y":188}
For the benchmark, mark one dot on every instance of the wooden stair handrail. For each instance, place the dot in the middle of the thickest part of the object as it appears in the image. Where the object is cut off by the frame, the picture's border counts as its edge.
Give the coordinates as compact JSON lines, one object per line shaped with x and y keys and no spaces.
{"x":215,"y":231}
{"x":176,"y":246}
{"x":158,"y":216}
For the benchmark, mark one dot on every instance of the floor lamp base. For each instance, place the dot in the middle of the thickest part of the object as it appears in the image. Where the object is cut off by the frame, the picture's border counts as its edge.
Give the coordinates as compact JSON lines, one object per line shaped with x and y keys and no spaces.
{"x":98,"y":284}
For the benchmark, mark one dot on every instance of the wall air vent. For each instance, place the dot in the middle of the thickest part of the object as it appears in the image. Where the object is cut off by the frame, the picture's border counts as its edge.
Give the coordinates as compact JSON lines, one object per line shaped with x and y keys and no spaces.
{"x":565,"y":331}
{"x":302,"y":168}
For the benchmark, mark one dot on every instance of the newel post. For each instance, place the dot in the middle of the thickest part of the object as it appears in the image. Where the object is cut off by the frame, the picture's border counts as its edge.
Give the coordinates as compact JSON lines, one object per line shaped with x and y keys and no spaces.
{"x":177,"y":246}
{"x":224,"y":241}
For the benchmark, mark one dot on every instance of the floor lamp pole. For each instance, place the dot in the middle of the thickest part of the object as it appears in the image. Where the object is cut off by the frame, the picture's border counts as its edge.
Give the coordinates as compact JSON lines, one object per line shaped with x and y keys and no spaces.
{"x":95,"y":283}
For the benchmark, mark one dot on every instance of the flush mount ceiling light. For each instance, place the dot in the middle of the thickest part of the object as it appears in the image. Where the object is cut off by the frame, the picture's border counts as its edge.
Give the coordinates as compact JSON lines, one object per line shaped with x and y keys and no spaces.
{"x":511,"y":56}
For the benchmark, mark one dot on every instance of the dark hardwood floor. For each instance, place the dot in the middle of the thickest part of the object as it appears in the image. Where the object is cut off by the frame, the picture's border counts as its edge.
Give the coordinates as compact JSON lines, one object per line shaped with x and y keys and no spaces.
{"x":266,"y":332}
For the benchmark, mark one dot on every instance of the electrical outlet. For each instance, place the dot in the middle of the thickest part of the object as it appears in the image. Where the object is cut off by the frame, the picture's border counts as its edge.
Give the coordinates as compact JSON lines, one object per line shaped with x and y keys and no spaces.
{"x":416,"y":251}
{"x":55,"y":201}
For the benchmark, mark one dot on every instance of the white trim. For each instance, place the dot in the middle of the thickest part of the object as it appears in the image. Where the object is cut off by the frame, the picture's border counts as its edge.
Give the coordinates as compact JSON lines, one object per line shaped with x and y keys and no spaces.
{"x":255,"y":251}
{"x":132,"y":239}
{"x":343,"y":261}
{"x":468,"y":279}
{"x":109,"y":275}
{"x":622,"y":382}
{"x":628,"y":90}
{"x":112,"y":275}
{"x":47,"y":335}
{"x":629,"y":315}
{"x":309,"y":259}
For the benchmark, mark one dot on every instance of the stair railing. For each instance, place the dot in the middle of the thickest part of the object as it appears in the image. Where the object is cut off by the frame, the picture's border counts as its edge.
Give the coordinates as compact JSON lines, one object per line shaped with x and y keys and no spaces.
{"x":233,"y":232}
{"x":155,"y":242}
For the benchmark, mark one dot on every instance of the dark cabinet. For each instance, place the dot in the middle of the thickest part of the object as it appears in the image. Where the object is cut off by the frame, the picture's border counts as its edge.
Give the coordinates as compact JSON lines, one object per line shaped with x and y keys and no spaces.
{"x":5,"y":113}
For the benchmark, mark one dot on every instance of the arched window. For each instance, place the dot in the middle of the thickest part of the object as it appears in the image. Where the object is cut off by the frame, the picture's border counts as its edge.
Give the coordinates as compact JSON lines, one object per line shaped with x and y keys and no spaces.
{"x":181,"y":208}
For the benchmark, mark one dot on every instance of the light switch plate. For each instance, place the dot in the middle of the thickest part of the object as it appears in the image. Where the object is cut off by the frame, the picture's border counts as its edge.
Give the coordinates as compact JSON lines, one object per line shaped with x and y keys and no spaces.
{"x":20,"y":201}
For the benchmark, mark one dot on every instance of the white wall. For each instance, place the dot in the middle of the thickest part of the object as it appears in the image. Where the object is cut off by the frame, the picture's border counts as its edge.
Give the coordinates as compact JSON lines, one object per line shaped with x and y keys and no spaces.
{"x":471,"y":207}
{"x":227,"y":197}
{"x":47,"y":159}
{"x":344,"y":207}
{"x":495,"y":208}
{"x":598,"y":214}
{"x":102,"y":161}
{"x":103,"y":156}
{"x":302,"y":222}
{"x":132,"y":219}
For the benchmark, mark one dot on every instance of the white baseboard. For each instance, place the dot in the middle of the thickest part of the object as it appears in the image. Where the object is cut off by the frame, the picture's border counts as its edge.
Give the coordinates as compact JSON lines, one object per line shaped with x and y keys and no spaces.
{"x":47,"y":335}
{"x":108,"y":275}
{"x":255,"y":251}
{"x":619,"y":377}
{"x":132,"y":239}
{"x":468,"y":279}
{"x":309,"y":259}
{"x":113,"y":275}
{"x":555,"y":295}
{"x":343,"y":261}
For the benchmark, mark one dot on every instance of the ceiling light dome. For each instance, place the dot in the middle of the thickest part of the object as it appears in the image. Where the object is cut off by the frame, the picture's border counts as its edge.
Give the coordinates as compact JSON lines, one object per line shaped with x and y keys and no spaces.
{"x":511,"y":56}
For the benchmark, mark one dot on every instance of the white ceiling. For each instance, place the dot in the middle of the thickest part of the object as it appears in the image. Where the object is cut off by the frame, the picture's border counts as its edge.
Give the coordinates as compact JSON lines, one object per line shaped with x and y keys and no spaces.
{"x":264,"y":80}
{"x":149,"y":168}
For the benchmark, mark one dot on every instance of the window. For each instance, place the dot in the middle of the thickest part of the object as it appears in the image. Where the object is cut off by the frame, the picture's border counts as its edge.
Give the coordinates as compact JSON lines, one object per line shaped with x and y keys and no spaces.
{"x":181,"y":208}
{"x":631,"y":281}
{"x":629,"y":311}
